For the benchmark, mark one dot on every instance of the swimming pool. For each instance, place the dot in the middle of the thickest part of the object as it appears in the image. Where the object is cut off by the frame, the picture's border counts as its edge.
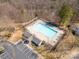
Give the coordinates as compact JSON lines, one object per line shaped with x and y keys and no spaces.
{"x":45,"y":30}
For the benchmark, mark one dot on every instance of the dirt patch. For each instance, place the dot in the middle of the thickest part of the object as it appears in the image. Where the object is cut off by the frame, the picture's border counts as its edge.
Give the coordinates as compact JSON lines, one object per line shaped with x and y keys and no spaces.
{"x":16,"y":36}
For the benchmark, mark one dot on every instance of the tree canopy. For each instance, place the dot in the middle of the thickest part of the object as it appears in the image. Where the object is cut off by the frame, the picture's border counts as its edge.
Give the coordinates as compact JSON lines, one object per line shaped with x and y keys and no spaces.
{"x":66,"y":13}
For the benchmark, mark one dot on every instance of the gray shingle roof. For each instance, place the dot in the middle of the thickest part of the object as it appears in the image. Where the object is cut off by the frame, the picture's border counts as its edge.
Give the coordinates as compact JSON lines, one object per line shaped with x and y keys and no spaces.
{"x":76,"y":57}
{"x":19,"y":51}
{"x":36,"y":41}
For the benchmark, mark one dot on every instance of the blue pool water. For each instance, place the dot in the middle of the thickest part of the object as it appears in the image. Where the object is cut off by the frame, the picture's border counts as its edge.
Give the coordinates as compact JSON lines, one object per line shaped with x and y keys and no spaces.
{"x":46,"y":30}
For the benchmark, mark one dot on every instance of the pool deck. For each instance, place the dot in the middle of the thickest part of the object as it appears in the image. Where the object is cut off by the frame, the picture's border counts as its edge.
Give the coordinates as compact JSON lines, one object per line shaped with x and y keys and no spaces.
{"x":41,"y":36}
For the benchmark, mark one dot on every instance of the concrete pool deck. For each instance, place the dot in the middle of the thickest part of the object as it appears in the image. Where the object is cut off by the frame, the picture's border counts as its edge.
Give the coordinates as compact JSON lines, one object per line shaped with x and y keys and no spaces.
{"x":37,"y":33}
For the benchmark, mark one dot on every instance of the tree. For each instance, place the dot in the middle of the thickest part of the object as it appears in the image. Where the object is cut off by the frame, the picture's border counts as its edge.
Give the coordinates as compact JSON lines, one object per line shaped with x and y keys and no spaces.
{"x":66,"y":13}
{"x":1,"y":49}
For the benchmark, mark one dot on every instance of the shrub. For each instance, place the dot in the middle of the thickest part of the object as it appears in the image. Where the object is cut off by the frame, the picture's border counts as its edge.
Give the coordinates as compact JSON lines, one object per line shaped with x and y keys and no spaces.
{"x":1,"y":49}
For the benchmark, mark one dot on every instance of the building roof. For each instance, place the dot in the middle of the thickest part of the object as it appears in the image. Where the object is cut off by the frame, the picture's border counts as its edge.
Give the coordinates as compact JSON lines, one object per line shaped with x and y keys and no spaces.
{"x":76,"y":57}
{"x":36,"y":41}
{"x":19,"y":51}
